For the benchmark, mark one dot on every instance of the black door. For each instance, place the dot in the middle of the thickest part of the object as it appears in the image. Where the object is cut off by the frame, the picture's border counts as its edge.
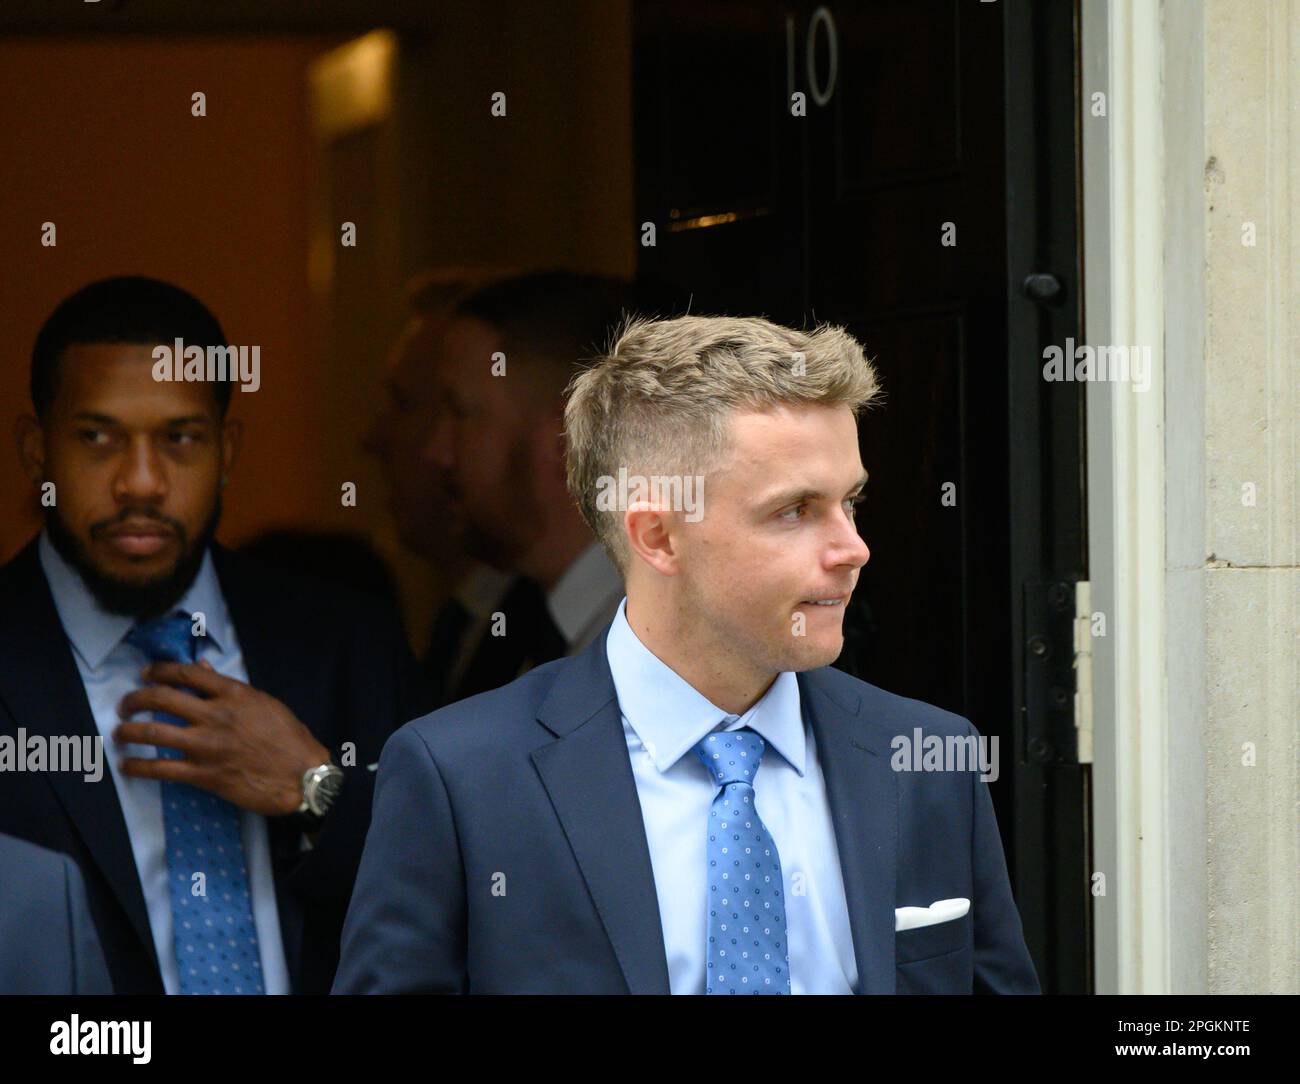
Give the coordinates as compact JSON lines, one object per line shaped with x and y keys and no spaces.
{"x":893,"y":206}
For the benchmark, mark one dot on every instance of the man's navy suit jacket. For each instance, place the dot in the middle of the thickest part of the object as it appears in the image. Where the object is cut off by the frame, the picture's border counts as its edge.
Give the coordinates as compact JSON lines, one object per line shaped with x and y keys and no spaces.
{"x":47,"y":937}
{"x":507,"y":853}
{"x":337,"y":659}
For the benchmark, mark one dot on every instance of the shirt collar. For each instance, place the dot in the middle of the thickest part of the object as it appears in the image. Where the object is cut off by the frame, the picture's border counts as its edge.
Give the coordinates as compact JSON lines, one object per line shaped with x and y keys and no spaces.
{"x":94,"y":632}
{"x":587,"y":587}
{"x":670,"y":716}
{"x":481,"y":590}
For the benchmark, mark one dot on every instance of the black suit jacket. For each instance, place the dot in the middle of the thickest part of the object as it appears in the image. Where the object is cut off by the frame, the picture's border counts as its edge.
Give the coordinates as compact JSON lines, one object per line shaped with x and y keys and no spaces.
{"x":337,"y":659}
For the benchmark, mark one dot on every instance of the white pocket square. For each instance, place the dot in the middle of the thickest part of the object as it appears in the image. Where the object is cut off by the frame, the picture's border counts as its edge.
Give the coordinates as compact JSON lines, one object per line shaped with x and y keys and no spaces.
{"x":909,"y":918}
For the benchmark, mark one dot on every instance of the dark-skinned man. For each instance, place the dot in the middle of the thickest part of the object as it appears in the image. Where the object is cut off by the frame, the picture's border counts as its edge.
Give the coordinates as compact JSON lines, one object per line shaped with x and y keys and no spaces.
{"x":240,"y":709}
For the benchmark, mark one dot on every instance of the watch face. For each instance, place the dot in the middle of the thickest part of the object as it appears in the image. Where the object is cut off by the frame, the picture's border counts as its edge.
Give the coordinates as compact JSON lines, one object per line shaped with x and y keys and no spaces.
{"x":328,"y":785}
{"x":331,"y":784}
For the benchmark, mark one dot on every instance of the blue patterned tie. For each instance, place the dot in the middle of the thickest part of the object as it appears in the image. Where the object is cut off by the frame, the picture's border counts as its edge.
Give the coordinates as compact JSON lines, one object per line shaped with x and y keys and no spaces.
{"x":214,"y":934}
{"x":747,"y":949}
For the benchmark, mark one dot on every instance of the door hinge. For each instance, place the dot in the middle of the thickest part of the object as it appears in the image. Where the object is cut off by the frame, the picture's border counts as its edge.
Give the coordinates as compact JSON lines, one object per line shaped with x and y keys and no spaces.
{"x":1057,"y":672}
{"x":1083,"y":669}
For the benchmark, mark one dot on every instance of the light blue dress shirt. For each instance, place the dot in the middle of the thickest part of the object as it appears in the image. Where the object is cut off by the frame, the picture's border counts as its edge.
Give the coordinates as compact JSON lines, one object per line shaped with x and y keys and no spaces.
{"x":110,"y":668}
{"x":663,"y":719}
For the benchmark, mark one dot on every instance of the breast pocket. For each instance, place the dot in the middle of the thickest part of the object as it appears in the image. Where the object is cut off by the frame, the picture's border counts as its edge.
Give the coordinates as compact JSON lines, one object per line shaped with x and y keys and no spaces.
{"x":936,"y":959}
{"x":922,"y":942}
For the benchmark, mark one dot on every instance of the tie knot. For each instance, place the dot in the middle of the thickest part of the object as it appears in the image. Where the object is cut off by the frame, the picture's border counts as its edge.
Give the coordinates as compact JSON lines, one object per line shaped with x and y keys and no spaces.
{"x":732,"y":756}
{"x":165,"y":639}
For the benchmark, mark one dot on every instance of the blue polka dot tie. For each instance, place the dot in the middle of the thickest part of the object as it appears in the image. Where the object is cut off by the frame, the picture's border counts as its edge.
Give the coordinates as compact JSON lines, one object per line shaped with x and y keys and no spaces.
{"x":213,"y":932}
{"x":747,"y":950}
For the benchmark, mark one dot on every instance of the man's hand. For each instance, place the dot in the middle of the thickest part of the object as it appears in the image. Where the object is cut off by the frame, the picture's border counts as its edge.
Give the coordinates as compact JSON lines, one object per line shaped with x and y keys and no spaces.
{"x":241,"y":744}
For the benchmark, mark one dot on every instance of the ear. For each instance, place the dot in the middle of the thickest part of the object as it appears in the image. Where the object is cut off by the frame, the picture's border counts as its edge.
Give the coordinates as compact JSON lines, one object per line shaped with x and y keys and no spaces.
{"x":651,"y":535}
{"x":232,"y":436}
{"x":29,"y":435}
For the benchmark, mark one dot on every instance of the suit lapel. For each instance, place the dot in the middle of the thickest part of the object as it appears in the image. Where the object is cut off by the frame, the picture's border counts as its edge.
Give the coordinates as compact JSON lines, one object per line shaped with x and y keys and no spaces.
{"x":863,"y":795}
{"x":41,"y":686}
{"x":588,"y":776}
{"x":277,"y":653}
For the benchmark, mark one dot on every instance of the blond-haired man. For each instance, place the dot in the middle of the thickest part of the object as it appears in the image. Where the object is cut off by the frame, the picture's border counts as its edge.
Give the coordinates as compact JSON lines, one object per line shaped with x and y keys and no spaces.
{"x":697,"y":803}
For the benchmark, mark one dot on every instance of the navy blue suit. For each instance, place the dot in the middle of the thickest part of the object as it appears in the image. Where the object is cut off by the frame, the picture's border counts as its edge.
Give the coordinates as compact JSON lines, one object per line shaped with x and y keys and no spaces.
{"x":48,"y":943}
{"x":533,"y":782}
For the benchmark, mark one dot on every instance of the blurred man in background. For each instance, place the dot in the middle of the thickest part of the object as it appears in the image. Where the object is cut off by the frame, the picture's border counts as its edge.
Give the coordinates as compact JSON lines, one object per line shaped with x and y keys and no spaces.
{"x":472,"y":446}
{"x":426,"y":525}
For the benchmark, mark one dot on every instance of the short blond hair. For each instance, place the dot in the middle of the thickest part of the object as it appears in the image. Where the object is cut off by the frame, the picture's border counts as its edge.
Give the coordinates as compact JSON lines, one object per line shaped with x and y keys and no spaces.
{"x":660,"y":399}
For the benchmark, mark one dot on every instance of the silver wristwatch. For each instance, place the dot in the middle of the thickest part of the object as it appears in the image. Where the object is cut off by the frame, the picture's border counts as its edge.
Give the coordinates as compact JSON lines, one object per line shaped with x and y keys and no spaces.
{"x":320,"y":787}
